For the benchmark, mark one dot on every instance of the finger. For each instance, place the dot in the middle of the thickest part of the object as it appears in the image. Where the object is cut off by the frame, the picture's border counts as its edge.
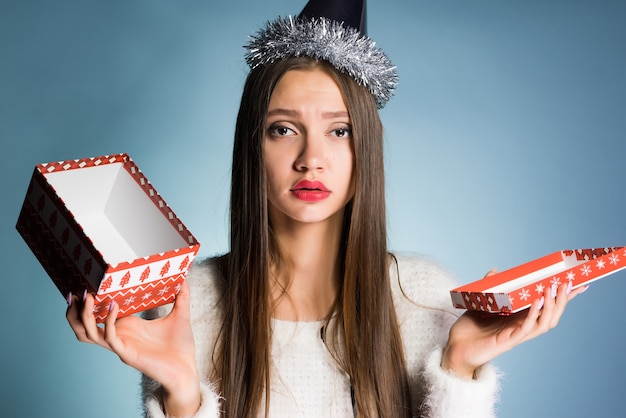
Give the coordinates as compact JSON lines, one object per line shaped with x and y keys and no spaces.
{"x":181,"y":303}
{"x":562,"y":298}
{"x":549,"y":295}
{"x":72,"y":314}
{"x":535,"y":312}
{"x":491,"y":272}
{"x":578,"y":291}
{"x":110,"y":331}
{"x":539,"y":315}
{"x":93,"y":332}
{"x":554,"y":307}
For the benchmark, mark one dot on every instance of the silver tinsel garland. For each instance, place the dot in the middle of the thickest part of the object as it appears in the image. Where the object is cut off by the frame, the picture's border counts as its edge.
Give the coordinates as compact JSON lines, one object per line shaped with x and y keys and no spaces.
{"x":324,"y":39}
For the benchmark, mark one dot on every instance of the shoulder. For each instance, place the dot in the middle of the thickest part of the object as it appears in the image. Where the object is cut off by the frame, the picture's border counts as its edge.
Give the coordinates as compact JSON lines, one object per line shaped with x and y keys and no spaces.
{"x":422,"y":280}
{"x":205,"y":283}
{"x":421,"y":295}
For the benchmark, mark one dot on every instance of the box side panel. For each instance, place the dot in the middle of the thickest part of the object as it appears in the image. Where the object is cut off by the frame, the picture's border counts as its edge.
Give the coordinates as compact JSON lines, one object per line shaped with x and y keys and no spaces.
{"x":477,"y":301}
{"x":591,"y":265}
{"x":528,"y":279}
{"x":85,"y":191}
{"x":139,"y":298}
{"x":587,"y":254}
{"x":81,"y":163}
{"x":50,"y":253}
{"x":139,"y":220}
{"x":146,"y":270}
{"x":160,"y":203}
{"x":505,"y":276}
{"x":55,"y":219}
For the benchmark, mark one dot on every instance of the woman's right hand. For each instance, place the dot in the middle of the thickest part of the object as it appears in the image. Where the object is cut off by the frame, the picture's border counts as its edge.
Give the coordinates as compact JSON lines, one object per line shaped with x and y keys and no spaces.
{"x":162,"y":349}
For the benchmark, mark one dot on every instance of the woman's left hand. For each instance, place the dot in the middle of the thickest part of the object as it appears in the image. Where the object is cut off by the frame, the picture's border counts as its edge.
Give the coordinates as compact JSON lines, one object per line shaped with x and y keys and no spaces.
{"x":477,"y":338}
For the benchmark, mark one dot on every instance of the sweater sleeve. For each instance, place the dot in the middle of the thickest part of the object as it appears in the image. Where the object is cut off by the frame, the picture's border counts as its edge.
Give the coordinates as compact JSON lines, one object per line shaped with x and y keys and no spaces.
{"x":209,"y":407}
{"x":449,"y":395}
{"x":205,"y":317}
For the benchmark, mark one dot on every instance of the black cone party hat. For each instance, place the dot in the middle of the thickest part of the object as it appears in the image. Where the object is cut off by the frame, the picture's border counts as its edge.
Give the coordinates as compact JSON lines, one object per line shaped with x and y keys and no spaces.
{"x":353,"y":13}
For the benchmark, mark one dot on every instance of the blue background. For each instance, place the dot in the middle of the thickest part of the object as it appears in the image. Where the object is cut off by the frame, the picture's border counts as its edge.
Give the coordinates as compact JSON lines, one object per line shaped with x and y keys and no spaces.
{"x":505,"y":142}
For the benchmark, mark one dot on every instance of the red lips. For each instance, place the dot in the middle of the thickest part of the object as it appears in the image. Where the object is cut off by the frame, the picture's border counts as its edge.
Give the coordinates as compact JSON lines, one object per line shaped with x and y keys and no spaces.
{"x":310,"y":191}
{"x":310,"y":185}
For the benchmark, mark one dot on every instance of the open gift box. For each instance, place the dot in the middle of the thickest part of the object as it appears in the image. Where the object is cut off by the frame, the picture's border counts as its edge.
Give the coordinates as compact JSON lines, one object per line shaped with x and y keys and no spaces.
{"x":515,"y":289}
{"x":97,"y":224}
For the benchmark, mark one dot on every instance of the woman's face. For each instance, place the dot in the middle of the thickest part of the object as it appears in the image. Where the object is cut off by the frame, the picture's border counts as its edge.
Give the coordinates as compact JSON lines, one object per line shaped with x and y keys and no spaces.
{"x":308,"y":149}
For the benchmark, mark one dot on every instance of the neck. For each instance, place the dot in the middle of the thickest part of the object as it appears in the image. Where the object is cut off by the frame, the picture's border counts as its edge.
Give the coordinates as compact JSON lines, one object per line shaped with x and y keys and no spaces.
{"x":307,"y":282}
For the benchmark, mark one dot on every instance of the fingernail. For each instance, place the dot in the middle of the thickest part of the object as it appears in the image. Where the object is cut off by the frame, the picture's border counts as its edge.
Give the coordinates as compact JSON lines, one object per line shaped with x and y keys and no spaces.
{"x":584,"y":289}
{"x":69,"y":299}
{"x":84,"y":295}
{"x":111,"y":305}
{"x":553,"y":291}
{"x":541,"y":302}
{"x":569,"y":287}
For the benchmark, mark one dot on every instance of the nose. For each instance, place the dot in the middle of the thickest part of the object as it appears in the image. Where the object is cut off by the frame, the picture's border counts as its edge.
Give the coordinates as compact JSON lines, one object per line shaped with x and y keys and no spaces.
{"x":312,"y":156}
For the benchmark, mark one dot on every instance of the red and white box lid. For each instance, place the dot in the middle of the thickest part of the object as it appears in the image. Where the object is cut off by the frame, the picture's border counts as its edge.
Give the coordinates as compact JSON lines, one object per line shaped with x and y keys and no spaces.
{"x":515,"y":289}
{"x":98,"y":224}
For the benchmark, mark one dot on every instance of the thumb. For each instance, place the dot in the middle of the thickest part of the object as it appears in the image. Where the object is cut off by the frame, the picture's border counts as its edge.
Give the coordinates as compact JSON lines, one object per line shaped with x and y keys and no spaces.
{"x":491,"y":272}
{"x":181,"y":303}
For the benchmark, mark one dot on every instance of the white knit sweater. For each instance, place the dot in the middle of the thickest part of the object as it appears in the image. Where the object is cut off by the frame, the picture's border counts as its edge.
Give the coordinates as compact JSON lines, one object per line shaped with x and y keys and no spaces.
{"x":306,"y":382}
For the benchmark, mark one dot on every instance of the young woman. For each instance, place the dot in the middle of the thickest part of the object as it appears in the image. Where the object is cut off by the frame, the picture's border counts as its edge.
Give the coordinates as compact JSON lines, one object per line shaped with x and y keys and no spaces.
{"x":308,"y":314}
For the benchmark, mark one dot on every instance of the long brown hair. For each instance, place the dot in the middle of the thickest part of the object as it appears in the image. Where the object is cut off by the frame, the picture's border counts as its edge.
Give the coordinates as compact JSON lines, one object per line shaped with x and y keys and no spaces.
{"x":365,"y":338}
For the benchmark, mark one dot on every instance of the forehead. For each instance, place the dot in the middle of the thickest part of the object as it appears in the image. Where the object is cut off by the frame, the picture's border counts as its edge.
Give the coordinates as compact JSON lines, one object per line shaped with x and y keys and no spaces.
{"x":298,"y":87}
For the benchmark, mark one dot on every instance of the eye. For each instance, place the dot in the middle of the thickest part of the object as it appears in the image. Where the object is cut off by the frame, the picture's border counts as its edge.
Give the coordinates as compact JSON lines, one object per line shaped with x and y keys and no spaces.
{"x":343,"y":132}
{"x":279,"y":130}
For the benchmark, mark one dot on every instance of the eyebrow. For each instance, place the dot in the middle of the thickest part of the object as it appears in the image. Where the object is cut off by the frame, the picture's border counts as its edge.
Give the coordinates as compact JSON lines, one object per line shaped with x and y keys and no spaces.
{"x":295,"y":113}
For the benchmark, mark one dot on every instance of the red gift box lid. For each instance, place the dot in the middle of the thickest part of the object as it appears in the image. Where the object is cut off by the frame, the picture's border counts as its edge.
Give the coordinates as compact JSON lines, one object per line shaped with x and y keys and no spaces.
{"x":515,"y":289}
